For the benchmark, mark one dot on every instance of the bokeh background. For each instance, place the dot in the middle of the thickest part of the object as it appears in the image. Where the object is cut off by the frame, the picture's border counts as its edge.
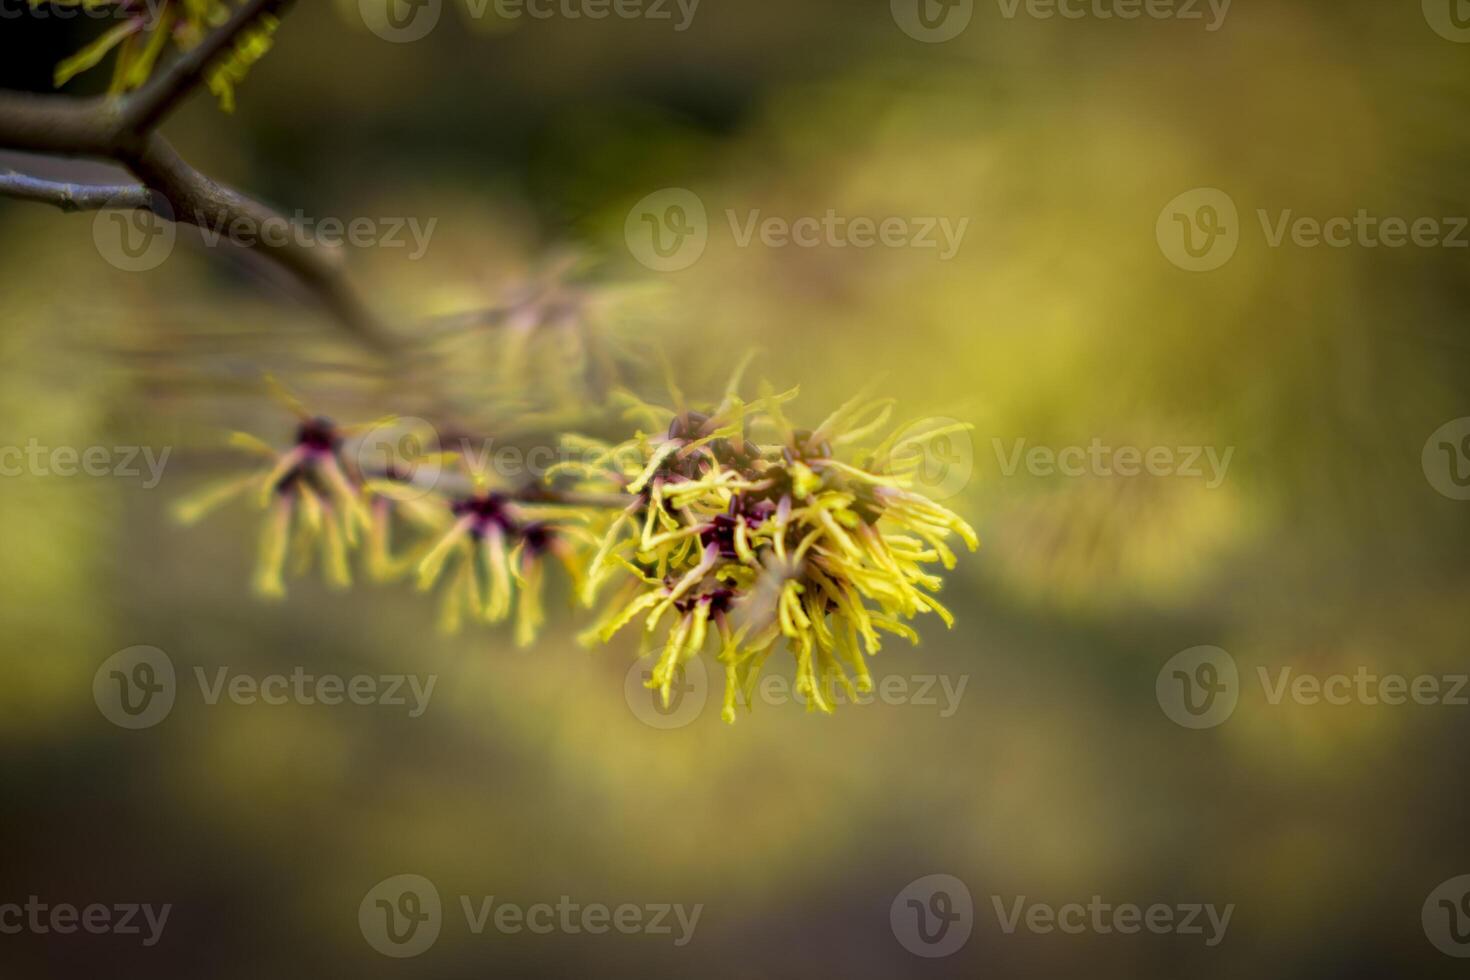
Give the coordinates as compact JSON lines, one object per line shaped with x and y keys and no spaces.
{"x":1058,"y":777}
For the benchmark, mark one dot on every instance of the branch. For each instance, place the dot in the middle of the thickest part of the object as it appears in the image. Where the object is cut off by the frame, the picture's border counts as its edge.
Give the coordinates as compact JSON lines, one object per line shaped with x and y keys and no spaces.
{"x":74,"y":197}
{"x":147,"y":107}
{"x":124,"y":131}
{"x":60,"y":125}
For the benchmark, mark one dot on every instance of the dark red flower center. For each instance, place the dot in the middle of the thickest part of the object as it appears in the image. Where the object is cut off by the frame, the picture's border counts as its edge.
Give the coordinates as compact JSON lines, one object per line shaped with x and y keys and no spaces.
{"x":318,"y":435}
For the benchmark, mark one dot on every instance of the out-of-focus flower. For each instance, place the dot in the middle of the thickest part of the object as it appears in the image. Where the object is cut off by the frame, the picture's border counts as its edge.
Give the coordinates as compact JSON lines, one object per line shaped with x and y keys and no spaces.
{"x":308,"y":499}
{"x":561,"y":322}
{"x":145,"y":29}
{"x":498,"y":546}
{"x":488,"y":543}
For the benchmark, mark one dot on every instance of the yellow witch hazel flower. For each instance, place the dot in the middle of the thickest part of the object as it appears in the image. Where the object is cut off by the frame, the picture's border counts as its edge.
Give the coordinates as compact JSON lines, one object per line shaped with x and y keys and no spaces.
{"x":741,"y":526}
{"x":310,"y":502}
{"x":497,"y":544}
{"x":729,"y":526}
{"x":144,"y":28}
{"x":489,"y":544}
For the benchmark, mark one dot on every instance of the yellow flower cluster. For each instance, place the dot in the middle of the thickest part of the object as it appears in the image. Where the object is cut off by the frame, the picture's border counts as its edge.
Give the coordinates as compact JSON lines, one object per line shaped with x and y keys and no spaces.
{"x":486,"y":544}
{"x":730,"y":523}
{"x":741,"y":525}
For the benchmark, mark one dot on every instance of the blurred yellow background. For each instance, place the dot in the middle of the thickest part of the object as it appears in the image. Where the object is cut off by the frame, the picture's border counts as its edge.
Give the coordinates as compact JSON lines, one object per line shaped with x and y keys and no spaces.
{"x":1060,"y":319}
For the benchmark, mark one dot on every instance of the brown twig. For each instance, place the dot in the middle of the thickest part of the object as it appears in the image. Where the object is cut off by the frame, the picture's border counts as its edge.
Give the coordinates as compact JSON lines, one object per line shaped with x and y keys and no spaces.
{"x":74,"y":197}
{"x":124,"y":130}
{"x":59,"y":125}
